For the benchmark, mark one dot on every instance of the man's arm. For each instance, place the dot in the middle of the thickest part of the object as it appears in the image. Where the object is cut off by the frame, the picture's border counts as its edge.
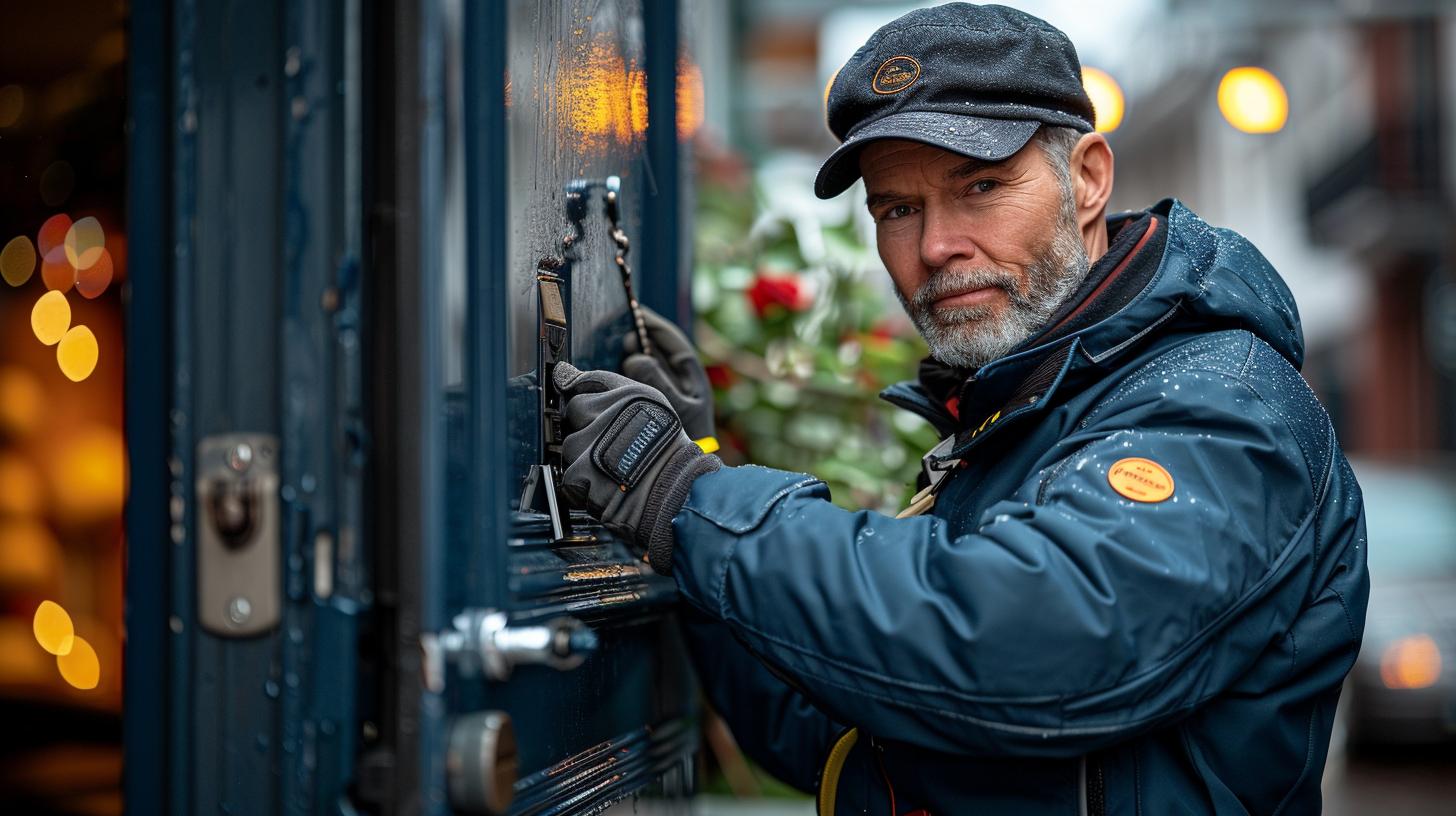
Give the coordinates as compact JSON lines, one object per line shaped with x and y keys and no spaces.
{"x":1072,"y":618}
{"x":773,"y":724}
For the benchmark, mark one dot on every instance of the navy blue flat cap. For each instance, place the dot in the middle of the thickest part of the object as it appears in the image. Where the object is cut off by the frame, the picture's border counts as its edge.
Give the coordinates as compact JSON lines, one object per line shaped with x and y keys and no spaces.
{"x":974,"y":80}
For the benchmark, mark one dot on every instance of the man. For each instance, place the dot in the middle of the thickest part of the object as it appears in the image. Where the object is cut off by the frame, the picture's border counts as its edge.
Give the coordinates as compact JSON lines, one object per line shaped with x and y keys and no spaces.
{"x":1137,"y":576}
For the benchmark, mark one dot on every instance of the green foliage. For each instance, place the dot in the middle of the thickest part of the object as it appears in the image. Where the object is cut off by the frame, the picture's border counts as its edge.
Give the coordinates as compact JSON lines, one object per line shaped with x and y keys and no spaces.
{"x":799,"y":347}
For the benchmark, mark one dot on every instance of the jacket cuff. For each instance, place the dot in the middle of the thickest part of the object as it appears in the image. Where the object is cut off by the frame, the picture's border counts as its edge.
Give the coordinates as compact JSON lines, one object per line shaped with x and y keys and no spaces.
{"x":669,"y":494}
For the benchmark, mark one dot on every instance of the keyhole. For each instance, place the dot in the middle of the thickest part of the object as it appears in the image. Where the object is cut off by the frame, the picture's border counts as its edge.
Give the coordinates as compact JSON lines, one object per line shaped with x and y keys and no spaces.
{"x":234,"y":513}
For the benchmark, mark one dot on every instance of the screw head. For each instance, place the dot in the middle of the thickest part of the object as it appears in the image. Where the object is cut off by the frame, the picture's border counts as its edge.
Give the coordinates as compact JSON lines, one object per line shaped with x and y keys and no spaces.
{"x":240,"y":457}
{"x":239,"y":610}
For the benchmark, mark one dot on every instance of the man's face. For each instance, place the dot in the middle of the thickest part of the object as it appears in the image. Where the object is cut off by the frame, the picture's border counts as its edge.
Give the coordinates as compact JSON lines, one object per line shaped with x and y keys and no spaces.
{"x":981,"y":254}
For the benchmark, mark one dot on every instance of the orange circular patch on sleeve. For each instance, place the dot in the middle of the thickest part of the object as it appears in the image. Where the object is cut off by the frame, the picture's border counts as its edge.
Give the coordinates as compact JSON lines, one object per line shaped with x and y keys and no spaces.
{"x":1141,"y":479}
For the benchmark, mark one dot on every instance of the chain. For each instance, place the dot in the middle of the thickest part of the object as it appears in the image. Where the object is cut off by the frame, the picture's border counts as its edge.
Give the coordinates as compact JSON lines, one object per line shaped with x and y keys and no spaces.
{"x":619,"y":237}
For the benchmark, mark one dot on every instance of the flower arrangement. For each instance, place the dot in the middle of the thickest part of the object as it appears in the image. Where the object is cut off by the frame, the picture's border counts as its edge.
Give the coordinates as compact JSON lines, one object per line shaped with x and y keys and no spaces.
{"x":800,"y":331}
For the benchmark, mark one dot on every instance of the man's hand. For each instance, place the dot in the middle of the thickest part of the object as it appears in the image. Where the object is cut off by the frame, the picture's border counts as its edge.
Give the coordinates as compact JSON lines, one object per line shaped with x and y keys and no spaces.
{"x":674,"y":369}
{"x":628,"y":461}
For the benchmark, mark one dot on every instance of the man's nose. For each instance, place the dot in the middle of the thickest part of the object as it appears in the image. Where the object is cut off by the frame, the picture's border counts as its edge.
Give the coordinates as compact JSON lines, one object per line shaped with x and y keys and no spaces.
{"x":943,"y":239}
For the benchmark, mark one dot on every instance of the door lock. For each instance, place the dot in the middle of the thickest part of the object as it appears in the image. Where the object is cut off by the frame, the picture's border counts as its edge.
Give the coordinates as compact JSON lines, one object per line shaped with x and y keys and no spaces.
{"x":238,"y":577}
{"x":481,"y":641}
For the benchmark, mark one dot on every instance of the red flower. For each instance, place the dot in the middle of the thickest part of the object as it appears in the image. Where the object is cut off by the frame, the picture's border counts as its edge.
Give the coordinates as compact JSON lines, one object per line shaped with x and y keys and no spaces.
{"x":721,"y":376}
{"x":885,"y":329}
{"x":785,"y":292}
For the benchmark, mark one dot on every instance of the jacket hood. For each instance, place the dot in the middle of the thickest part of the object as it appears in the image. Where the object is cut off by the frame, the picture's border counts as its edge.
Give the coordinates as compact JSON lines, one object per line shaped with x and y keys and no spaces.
{"x":1217,"y":280}
{"x":1208,"y":279}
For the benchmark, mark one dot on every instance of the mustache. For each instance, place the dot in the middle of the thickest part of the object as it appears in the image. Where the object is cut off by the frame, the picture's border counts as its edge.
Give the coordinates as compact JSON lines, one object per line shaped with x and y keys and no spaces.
{"x":948,"y":282}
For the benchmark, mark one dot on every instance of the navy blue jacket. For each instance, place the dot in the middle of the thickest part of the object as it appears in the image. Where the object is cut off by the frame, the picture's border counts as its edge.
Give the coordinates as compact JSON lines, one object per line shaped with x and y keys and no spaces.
{"x":1067,"y":630}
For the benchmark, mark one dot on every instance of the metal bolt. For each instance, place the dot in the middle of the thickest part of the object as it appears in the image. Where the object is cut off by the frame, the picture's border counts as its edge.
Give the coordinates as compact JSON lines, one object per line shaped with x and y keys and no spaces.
{"x":240,"y":457}
{"x":239,"y":610}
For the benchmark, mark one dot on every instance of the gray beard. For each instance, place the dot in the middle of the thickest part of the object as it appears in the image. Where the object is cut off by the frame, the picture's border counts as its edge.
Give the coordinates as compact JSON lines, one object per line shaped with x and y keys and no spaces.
{"x":971,"y":336}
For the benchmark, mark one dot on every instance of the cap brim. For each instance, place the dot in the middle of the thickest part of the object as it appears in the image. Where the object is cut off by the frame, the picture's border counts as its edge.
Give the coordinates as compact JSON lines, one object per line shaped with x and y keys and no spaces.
{"x":974,"y":137}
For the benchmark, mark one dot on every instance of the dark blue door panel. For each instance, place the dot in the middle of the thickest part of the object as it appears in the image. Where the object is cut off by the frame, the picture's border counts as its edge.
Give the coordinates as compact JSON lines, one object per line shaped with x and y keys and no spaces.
{"x":347,"y":206}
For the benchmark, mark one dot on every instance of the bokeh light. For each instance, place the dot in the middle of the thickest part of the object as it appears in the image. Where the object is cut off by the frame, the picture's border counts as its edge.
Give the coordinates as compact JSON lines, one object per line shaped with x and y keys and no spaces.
{"x":1107,"y":98}
{"x":21,"y":402}
{"x":77,"y":353}
{"x":596,"y":97}
{"x":52,"y":233}
{"x":94,"y":279}
{"x":87,"y":474}
{"x":637,"y":97}
{"x":56,"y":269}
{"x":12,"y":105}
{"x":56,"y":272}
{"x":30,"y":557}
{"x":17,"y":260}
{"x":53,"y":628}
{"x":79,"y":667}
{"x":57,"y":183}
{"x":50,"y":318}
{"x":1253,"y":100}
{"x":691,"y":107}
{"x":1411,"y":663}
{"x":20,"y":486}
{"x":85,"y":241}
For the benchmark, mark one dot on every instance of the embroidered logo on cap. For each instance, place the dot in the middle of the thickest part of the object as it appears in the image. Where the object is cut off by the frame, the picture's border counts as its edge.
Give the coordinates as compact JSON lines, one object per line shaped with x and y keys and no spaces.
{"x":895,"y":75}
{"x":1141,"y":480}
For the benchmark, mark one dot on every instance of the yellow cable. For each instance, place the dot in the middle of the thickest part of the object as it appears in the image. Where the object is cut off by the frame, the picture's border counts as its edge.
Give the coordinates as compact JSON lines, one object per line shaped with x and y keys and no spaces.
{"x":833,"y":766}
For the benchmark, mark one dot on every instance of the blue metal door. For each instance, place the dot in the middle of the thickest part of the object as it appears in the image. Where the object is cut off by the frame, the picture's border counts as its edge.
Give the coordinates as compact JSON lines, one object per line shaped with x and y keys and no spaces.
{"x":336,"y":600}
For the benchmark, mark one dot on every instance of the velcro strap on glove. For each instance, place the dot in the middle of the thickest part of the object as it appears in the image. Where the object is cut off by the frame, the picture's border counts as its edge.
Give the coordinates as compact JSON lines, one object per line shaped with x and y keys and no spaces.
{"x":638,"y":436}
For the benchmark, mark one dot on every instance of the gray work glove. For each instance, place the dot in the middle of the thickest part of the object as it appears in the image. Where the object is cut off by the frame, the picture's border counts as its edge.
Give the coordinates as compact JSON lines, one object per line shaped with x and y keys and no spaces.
{"x":674,"y":369}
{"x":627,"y":459}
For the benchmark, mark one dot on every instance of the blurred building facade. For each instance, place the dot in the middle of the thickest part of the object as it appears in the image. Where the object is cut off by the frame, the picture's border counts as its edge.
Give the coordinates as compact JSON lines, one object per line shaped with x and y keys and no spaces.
{"x":1349,"y":200}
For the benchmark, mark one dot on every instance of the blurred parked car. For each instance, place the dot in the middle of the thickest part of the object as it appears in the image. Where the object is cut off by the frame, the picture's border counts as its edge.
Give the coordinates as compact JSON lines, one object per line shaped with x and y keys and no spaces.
{"x":1403,"y":687}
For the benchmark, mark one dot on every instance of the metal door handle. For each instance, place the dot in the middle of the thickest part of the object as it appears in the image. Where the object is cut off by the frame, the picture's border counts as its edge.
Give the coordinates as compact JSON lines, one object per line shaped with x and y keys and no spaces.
{"x":482,"y":641}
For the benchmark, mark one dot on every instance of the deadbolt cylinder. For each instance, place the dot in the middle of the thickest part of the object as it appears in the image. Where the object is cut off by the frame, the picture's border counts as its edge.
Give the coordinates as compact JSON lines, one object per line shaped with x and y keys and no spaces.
{"x":480,"y":763}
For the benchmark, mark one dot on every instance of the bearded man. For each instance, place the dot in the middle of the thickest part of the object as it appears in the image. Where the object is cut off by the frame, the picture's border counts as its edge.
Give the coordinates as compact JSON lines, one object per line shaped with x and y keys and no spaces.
{"x":1135,"y":577}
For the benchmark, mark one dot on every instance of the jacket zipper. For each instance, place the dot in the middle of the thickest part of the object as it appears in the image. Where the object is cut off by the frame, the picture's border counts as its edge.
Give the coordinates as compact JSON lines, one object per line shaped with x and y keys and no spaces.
{"x":1096,"y":787}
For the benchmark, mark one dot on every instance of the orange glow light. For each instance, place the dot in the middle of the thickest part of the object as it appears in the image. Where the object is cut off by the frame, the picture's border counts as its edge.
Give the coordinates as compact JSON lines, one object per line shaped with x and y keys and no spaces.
{"x":30,"y":557}
{"x":52,"y":233}
{"x":637,"y":97}
{"x":56,"y":272}
{"x":80,"y":667}
{"x":87,"y":475}
{"x":94,"y":279}
{"x":53,"y":628}
{"x":17,"y":260}
{"x":85,"y":241}
{"x":12,"y":105}
{"x":77,"y":353}
{"x":1106,"y":95}
{"x":595,"y":96}
{"x":50,"y":318}
{"x":690,"y":104}
{"x":21,"y":401}
{"x":1253,"y":100}
{"x":20,"y":486}
{"x":1411,"y":663}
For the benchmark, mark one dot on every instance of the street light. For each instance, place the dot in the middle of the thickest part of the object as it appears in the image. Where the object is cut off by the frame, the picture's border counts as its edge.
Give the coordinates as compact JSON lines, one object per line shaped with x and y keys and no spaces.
{"x":1107,"y":100}
{"x":1253,"y":100}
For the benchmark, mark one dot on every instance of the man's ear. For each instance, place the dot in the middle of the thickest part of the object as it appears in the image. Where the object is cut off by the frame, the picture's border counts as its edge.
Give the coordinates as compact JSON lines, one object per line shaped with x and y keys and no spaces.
{"x":1091,"y":165}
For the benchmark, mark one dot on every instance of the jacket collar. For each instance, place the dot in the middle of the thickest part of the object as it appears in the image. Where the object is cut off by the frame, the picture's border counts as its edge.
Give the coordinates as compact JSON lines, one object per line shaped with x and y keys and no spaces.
{"x":1025,"y":380}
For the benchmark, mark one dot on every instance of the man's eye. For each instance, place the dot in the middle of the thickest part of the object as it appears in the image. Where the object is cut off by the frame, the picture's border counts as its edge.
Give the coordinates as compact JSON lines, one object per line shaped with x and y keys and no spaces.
{"x":897,"y":211}
{"x":984,"y":186}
